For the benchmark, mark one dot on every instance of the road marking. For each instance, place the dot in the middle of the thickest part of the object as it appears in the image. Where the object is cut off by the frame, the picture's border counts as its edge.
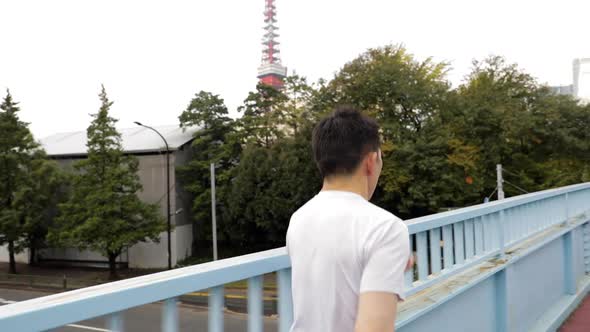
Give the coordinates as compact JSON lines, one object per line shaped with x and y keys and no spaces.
{"x":88,"y":327}
{"x":3,"y":301}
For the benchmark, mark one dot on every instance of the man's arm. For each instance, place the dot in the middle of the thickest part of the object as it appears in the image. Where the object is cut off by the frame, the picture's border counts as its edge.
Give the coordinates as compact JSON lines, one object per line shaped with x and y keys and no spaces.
{"x":382,"y":281}
{"x":376,"y":312}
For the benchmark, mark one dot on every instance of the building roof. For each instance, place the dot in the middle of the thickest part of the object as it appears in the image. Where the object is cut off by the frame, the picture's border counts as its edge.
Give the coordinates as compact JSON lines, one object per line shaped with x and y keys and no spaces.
{"x":134,"y":140}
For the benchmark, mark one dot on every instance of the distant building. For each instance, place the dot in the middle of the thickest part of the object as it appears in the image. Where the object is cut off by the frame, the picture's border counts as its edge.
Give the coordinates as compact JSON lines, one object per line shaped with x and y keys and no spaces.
{"x":563,"y":89}
{"x":581,"y":84}
{"x":581,"y":81}
{"x":148,"y":147}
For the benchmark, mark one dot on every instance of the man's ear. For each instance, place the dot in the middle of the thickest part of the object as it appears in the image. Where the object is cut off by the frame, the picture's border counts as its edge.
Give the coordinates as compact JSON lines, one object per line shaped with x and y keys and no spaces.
{"x":370,"y":163}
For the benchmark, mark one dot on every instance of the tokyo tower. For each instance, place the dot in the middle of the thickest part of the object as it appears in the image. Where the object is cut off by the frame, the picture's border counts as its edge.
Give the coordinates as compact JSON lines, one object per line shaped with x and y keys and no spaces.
{"x":271,"y":71}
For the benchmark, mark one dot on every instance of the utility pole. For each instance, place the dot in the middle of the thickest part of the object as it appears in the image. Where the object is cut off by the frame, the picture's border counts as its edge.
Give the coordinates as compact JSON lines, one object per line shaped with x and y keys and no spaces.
{"x":213,"y":216}
{"x":500,"y":181}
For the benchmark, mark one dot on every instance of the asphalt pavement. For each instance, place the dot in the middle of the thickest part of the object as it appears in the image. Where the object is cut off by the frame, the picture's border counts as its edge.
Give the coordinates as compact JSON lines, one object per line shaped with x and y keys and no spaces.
{"x":146,"y":318}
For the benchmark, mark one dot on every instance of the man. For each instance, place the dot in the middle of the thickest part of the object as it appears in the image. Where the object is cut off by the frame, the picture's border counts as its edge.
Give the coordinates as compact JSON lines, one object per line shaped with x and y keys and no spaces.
{"x":348,"y":256}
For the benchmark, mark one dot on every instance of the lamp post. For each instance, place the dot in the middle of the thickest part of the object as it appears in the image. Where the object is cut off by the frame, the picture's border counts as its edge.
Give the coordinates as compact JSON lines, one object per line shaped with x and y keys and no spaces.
{"x":168,"y":215}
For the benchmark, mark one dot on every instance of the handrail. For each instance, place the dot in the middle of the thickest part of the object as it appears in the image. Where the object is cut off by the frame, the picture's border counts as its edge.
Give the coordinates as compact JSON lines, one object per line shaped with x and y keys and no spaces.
{"x":61,"y":309}
{"x":425,"y":223}
{"x":124,"y":294}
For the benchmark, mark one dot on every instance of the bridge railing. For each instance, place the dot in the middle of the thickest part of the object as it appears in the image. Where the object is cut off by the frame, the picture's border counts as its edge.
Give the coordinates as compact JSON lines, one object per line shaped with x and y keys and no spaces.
{"x":114,"y":298}
{"x":445,"y":244}
{"x":448,"y":243}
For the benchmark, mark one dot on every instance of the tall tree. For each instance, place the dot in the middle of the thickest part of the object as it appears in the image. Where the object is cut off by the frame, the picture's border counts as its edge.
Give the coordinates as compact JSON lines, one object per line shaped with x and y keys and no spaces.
{"x":264,"y":119}
{"x":498,"y":105}
{"x":297,"y":110}
{"x":104,"y":212}
{"x":215,"y":142}
{"x":406,"y":96}
{"x":393,"y":86}
{"x":276,"y":173}
{"x":17,"y":147}
{"x":37,"y":200}
{"x":269,"y":185}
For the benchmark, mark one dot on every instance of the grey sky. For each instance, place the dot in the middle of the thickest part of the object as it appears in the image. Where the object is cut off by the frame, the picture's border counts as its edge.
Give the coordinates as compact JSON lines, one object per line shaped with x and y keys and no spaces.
{"x":153,"y":56}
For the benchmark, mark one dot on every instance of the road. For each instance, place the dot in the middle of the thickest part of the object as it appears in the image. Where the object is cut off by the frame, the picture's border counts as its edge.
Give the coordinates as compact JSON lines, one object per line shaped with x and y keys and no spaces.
{"x":145,"y":318}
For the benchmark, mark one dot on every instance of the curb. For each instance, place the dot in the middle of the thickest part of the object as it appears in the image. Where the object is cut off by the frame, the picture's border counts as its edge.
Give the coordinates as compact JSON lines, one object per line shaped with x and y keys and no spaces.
{"x":235,"y":303}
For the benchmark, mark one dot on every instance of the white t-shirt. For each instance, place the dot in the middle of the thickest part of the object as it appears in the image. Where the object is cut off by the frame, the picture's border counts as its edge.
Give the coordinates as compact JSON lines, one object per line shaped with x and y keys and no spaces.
{"x":341,"y":245}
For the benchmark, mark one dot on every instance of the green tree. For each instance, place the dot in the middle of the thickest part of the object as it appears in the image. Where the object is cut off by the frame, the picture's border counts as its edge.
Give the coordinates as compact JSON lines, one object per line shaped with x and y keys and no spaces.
{"x":270,"y":184}
{"x":104,"y":212}
{"x":216,"y":141}
{"x":17,"y":147}
{"x":435,"y":170}
{"x":393,"y":86}
{"x":37,"y":200}
{"x":276,"y":173}
{"x":264,"y":119}
{"x":537,"y":136}
{"x":425,"y":165}
{"x":498,"y":111}
{"x":299,"y":95}
{"x":562,"y":143}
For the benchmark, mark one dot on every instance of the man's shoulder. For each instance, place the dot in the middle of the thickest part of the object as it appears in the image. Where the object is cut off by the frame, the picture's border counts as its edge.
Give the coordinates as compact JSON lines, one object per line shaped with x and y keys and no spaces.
{"x":309,"y":205}
{"x":362,"y":207}
{"x":382,"y":217}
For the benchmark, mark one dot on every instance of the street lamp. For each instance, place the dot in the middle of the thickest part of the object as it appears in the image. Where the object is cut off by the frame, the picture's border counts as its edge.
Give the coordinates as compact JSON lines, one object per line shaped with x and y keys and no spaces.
{"x":168,"y":215}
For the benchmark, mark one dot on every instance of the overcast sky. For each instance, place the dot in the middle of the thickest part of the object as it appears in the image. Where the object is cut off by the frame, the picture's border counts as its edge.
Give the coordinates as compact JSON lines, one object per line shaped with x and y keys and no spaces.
{"x":152,"y":56}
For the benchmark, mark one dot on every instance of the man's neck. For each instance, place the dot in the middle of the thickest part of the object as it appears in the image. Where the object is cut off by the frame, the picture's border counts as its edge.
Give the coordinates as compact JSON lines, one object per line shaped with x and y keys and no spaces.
{"x":352,"y":184}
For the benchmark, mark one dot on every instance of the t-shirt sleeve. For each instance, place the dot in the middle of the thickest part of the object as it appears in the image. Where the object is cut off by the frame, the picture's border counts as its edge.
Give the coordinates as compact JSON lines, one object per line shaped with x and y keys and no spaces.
{"x":386,"y":256}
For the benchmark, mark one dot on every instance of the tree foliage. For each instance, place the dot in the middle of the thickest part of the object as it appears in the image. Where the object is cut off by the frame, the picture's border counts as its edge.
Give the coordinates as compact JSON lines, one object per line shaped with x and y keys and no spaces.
{"x":21,"y":162}
{"x":264,"y":116}
{"x":38,"y":199}
{"x":215,"y":142}
{"x":269,"y":185}
{"x":104,"y":213}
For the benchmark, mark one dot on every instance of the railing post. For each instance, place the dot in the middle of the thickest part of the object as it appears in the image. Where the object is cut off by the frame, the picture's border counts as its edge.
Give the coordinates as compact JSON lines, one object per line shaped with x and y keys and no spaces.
{"x":501,"y":282}
{"x":216,"y":309}
{"x":569,"y":275}
{"x":421,"y":246}
{"x":115,"y":322}
{"x":567,"y":208}
{"x":448,"y":257}
{"x":170,"y":316}
{"x":459,"y":242}
{"x":255,"y":304}
{"x":285,"y":300}
{"x":435,"y":250}
{"x":501,"y":225}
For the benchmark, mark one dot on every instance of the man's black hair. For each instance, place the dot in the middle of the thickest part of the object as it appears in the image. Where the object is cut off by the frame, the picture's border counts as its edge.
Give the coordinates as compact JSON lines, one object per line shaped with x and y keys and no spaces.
{"x":341,"y":141}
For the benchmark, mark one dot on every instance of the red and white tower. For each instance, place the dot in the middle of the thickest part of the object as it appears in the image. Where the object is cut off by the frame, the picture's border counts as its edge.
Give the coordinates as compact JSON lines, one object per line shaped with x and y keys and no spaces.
{"x":271,"y":72}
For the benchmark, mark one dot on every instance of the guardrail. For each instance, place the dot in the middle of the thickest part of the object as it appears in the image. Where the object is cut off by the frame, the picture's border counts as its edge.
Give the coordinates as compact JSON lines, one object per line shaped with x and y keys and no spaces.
{"x":448,"y":246}
{"x":450,"y":242}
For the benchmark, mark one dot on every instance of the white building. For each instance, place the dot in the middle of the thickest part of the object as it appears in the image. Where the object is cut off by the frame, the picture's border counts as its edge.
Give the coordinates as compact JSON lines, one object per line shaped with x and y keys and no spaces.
{"x":67,"y":148}
{"x":582,"y":79}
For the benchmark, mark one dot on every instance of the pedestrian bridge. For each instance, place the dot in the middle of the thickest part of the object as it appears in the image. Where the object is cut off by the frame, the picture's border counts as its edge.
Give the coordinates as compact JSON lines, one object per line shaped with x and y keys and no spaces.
{"x":518,"y":264}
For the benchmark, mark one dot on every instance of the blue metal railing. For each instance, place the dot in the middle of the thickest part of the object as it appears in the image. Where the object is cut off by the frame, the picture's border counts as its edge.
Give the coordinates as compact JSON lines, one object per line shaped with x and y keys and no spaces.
{"x":468,"y":236}
{"x":446,"y":244}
